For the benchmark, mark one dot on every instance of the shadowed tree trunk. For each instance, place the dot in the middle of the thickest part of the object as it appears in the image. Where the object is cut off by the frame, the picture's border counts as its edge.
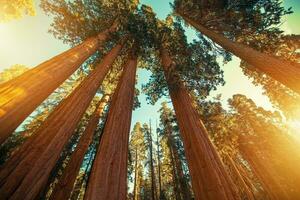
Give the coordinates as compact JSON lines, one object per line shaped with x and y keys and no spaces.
{"x":108,"y":179}
{"x":174,"y":172}
{"x":20,"y":96}
{"x":285,"y":72}
{"x":42,"y":152}
{"x":184,"y":187}
{"x":209,"y":178}
{"x":174,"y":167}
{"x":64,"y":187}
{"x":158,"y":164}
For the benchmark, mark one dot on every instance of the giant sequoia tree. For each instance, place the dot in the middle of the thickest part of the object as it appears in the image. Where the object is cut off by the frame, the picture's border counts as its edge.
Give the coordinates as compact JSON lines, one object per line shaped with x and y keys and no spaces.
{"x":254,"y":18}
{"x":237,"y":153}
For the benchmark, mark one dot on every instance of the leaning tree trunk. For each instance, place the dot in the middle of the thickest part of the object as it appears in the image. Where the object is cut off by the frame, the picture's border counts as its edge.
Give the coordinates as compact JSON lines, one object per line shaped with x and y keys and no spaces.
{"x":209,"y":178}
{"x":108,"y":179}
{"x":20,"y":96}
{"x":64,"y":187}
{"x":285,"y":72}
{"x":41,"y":154}
{"x":246,"y":191}
{"x":267,"y":176}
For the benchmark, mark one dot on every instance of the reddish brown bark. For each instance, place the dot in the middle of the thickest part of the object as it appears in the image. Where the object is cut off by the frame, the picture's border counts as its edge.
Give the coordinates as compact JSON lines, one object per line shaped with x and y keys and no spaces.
{"x":108,"y":178}
{"x":285,"y":72}
{"x":31,"y":174}
{"x":240,"y":182}
{"x":65,"y":185}
{"x":209,"y":178}
{"x":20,"y":96}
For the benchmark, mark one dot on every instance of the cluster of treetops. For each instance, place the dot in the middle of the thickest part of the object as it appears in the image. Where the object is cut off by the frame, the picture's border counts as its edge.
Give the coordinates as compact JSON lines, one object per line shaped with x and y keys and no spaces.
{"x":64,"y":125}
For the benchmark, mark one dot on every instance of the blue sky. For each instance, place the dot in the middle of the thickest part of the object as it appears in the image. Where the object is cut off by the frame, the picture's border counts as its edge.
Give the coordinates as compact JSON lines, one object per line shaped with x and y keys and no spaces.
{"x":27,"y":42}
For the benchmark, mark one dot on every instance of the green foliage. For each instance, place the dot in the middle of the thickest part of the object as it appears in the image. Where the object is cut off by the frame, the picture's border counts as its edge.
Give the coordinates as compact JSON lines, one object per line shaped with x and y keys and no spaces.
{"x":171,"y":144}
{"x":74,"y":21}
{"x":235,"y":18}
{"x":194,"y":63}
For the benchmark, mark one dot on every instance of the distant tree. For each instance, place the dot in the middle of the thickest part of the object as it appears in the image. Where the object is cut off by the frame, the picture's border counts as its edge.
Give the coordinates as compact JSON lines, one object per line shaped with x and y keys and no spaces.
{"x":169,"y":133}
{"x":12,"y":72}
{"x":149,"y":142}
{"x":137,"y":146}
{"x":15,"y":9}
{"x":265,"y":145}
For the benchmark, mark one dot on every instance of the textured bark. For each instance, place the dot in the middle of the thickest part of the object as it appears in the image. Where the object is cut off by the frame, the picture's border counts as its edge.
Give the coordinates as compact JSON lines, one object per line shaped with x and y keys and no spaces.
{"x":209,"y":178}
{"x":31,"y":174}
{"x":248,"y":193}
{"x":64,"y":187}
{"x":20,"y":96}
{"x":285,"y":72}
{"x":108,"y":179}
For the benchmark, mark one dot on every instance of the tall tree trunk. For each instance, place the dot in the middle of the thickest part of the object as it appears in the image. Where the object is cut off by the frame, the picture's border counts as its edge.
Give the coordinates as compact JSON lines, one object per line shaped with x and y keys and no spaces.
{"x":209,"y":178}
{"x":158,"y":164}
{"x":20,"y":96}
{"x":246,"y":191}
{"x":267,"y":176}
{"x":184,"y":187}
{"x":64,"y":187}
{"x":174,"y":172}
{"x":108,"y":179}
{"x":285,"y":72}
{"x":153,"y":182}
{"x":30,"y":175}
{"x":135,"y":175}
{"x":177,"y":189}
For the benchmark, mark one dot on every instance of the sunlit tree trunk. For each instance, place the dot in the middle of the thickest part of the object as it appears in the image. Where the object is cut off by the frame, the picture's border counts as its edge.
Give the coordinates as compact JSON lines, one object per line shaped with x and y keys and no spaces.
{"x":247,"y":192}
{"x":43,"y":151}
{"x":108,"y":179}
{"x":20,"y":96}
{"x":65,"y":185}
{"x":285,"y":72}
{"x":209,"y":178}
{"x":153,"y":181}
{"x":135,"y":175}
{"x":267,"y":176}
